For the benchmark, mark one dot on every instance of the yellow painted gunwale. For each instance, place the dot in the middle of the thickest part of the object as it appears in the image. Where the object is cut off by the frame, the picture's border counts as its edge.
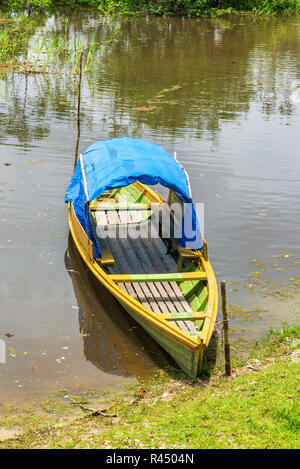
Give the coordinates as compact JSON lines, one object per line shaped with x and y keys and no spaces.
{"x":195,"y":344}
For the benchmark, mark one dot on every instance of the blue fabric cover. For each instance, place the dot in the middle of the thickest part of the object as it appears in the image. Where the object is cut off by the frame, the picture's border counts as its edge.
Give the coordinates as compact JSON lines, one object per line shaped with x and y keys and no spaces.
{"x":121,"y":161}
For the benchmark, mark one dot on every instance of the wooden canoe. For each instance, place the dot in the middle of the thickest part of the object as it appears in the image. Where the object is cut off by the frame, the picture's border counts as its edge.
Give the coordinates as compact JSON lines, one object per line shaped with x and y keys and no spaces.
{"x":170,"y":291}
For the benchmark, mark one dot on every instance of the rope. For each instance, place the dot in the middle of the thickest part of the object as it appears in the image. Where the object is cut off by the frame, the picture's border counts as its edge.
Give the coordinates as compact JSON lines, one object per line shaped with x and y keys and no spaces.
{"x":219,"y":332}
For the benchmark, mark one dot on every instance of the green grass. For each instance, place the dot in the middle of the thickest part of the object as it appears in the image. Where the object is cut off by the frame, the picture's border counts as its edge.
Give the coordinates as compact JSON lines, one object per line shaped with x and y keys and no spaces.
{"x":258,"y":407}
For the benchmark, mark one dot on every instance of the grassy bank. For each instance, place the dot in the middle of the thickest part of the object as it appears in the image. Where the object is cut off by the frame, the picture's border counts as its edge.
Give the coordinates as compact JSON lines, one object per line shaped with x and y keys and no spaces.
{"x":258,"y":407}
{"x":169,"y":7}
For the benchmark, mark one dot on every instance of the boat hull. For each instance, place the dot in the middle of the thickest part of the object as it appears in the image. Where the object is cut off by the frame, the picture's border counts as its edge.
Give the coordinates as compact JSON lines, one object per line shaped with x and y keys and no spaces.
{"x":186,"y":351}
{"x":189,"y":360}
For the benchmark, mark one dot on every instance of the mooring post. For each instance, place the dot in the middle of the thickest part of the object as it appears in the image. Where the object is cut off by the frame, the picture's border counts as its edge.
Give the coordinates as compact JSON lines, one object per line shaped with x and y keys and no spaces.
{"x":78,"y":110}
{"x":225,"y":329}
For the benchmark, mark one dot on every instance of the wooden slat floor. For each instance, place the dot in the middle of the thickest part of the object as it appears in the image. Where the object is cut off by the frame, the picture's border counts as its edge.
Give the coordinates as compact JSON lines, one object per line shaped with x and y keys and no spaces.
{"x":144,"y":255}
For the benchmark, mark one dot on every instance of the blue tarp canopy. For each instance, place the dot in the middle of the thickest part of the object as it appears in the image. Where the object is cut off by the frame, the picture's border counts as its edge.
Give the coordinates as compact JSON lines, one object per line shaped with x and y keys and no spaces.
{"x":119,"y":162}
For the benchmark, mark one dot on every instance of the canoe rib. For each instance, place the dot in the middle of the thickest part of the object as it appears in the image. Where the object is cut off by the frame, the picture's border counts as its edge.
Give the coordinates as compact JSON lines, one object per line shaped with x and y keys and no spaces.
{"x":168,"y":277}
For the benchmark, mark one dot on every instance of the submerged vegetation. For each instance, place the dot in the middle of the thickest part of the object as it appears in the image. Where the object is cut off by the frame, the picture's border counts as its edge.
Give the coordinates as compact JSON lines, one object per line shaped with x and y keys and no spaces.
{"x":57,"y":53}
{"x":20,"y":19}
{"x":14,"y":36}
{"x":52,"y":52}
{"x":167,"y":7}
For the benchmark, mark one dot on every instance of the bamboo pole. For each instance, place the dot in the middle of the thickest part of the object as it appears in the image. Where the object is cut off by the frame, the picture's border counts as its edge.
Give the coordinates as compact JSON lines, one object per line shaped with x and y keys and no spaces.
{"x":78,"y":110}
{"x":28,"y":8}
{"x":225,"y":329}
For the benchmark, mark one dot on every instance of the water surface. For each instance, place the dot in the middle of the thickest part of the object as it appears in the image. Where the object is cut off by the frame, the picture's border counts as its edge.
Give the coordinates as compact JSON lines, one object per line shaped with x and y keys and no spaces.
{"x":218,"y":92}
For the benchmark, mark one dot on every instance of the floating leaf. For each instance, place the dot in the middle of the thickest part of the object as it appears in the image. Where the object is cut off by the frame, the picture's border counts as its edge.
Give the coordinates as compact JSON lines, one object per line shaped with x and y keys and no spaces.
{"x":144,"y":108}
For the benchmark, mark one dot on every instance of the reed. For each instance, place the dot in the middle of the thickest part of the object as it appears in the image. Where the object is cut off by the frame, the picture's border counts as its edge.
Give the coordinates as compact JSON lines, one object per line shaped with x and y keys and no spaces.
{"x":165,"y":7}
{"x":14,"y":35}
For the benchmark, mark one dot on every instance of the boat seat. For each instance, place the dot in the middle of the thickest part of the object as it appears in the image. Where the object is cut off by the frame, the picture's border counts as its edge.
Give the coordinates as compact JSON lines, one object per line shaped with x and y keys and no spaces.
{"x":106,"y":258}
{"x":184,"y":253}
{"x":120,"y":206}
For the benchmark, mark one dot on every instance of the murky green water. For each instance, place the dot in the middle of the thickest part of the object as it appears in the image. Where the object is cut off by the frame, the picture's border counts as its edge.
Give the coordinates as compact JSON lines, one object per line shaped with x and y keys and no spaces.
{"x":221,"y":93}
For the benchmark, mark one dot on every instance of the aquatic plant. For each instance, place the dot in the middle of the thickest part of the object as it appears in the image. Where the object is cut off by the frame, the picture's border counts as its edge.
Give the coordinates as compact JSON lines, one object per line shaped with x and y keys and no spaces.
{"x":55,"y":53}
{"x":14,"y":35}
{"x":166,"y":7}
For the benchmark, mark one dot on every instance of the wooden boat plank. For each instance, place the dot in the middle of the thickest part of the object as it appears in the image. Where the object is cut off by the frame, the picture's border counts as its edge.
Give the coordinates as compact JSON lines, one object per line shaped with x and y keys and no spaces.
{"x":165,"y":296}
{"x":131,"y":256}
{"x":168,"y":300}
{"x":149,"y":295}
{"x":168,"y":307}
{"x":112,"y":217}
{"x":118,"y":252}
{"x":176,"y":306}
{"x":159,"y":299}
{"x":149,"y":250}
{"x":161,"y":252}
{"x":165,"y":293}
{"x":184,"y":316}
{"x":143,"y":291}
{"x":159,"y":277}
{"x":132,"y":292}
{"x":137,"y":261}
{"x":103,"y":205}
{"x":184,"y":305}
{"x":180,"y":297}
{"x":129,"y":217}
{"x":154,"y":250}
{"x":136,"y":216}
{"x":150,"y":298}
{"x":101,"y":218}
{"x":143,"y":255}
{"x":123,"y":215}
